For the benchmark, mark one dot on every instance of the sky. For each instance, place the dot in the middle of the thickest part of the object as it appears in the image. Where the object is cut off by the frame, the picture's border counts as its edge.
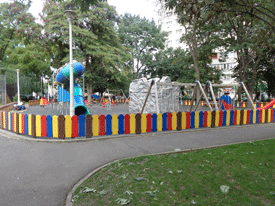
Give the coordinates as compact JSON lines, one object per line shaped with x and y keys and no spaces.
{"x":144,"y":8}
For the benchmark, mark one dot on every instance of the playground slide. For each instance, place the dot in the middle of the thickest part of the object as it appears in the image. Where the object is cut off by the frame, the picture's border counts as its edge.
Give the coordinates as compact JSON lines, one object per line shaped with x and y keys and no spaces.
{"x":63,"y":77}
{"x":268,"y":105}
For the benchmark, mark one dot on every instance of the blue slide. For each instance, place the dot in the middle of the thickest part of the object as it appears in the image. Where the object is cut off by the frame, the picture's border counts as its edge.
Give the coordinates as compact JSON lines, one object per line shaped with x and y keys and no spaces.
{"x":63,"y":77}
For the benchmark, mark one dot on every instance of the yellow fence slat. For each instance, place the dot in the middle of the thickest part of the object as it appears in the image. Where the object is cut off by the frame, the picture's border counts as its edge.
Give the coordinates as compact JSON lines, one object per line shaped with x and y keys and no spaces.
{"x":14,"y":122}
{"x":269,"y":115}
{"x":254,"y":116}
{"x":183,"y":120}
{"x":115,"y":124}
{"x":132,"y":124}
{"x":244,"y":116}
{"x":159,"y":122}
{"x":217,"y":118}
{"x":38,"y":125}
{"x":55,"y":126}
{"x":30,"y":124}
{"x":68,"y":126}
{"x":209,"y":116}
{"x":143,"y":123}
{"x":174,"y":121}
{"x":197,"y":119}
{"x":4,"y":120}
{"x":95,"y":125}
{"x":238,"y":117}
{"x":263,"y":116}
{"x":227,"y":118}
{"x":20,"y":123}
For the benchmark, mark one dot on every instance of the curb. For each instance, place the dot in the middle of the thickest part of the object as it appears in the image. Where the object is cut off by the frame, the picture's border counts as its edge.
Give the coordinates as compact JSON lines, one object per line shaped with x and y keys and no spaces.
{"x":70,"y":194}
{"x":11,"y":135}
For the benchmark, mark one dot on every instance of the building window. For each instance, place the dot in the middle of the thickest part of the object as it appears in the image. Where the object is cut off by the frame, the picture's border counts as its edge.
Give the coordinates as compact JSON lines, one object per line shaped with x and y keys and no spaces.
{"x":169,"y":33}
{"x":168,"y":14}
{"x":168,"y":23}
{"x":179,"y":31}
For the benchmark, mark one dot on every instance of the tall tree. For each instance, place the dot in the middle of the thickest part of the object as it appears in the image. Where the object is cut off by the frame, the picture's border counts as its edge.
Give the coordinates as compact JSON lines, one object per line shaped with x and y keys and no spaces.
{"x":95,"y":40}
{"x":142,"y":36}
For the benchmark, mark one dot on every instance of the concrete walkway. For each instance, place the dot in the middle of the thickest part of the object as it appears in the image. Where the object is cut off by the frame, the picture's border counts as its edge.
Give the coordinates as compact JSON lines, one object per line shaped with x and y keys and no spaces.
{"x":41,"y":173}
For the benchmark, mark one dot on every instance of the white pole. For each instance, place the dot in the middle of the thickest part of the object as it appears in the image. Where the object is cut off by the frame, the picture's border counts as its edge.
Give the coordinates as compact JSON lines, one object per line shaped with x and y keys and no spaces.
{"x":157,"y":98}
{"x":53,"y":87}
{"x":71,"y":72}
{"x":83,"y":85}
{"x":18,"y":88}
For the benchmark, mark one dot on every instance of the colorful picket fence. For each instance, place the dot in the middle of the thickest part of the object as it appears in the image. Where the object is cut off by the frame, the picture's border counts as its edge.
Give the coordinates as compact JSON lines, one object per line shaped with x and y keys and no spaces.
{"x":237,"y":104}
{"x":80,"y":126}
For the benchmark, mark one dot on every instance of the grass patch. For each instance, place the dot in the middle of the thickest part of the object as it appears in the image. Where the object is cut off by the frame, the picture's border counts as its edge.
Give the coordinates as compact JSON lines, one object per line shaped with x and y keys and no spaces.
{"x":242,"y":174}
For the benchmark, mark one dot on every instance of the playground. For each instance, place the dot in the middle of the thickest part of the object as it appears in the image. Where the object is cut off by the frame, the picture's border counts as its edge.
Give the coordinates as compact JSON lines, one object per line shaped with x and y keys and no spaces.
{"x":154,"y":105}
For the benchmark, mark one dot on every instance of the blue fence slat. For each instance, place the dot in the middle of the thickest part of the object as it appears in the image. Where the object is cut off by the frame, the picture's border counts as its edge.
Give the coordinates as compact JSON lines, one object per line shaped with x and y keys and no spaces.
{"x":81,"y":126}
{"x":108,"y":125}
{"x":121,"y":124}
{"x":231,"y":117}
{"x":257,"y":116}
{"x":251,"y":116}
{"x":224,"y":118}
{"x":11,"y":122}
{"x":273,"y":115}
{"x":192,"y":123}
{"x":164,"y":122}
{"x":49,"y":126}
{"x":154,"y":122}
{"x":235,"y":104}
{"x":201,"y":119}
{"x":26,"y":124}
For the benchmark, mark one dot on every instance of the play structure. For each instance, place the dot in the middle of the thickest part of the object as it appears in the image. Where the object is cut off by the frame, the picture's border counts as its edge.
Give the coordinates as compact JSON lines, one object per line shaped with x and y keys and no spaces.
{"x":148,"y":97}
{"x":161,"y":95}
{"x":63,"y":78}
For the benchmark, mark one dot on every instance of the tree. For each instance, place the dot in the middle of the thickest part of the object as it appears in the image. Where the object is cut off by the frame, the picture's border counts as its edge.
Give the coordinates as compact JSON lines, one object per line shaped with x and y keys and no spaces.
{"x":17,"y":30}
{"x":96,"y":42}
{"x":83,"y":4}
{"x":142,"y":37}
{"x":178,"y":65}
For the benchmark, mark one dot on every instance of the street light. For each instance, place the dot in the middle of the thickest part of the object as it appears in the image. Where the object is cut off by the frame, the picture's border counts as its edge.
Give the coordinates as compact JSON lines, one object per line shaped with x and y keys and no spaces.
{"x":18,"y":88}
{"x":71,"y":15}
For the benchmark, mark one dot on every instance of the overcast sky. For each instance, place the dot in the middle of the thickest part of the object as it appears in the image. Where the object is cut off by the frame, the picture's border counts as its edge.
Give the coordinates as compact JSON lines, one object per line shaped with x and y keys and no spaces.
{"x":145,"y":8}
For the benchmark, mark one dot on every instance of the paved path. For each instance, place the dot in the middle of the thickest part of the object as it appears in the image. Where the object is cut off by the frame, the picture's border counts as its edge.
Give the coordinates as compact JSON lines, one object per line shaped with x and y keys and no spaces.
{"x":42,"y":174}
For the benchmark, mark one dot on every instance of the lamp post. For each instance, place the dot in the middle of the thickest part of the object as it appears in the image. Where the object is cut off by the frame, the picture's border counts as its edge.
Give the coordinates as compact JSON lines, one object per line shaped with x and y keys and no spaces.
{"x":70,"y":15}
{"x":18,"y":88}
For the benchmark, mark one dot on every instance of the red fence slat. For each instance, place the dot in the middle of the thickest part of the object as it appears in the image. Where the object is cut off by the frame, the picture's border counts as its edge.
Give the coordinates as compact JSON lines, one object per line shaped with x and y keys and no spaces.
{"x":169,"y":121}
{"x":149,"y":122}
{"x":102,"y":125}
{"x":127,"y":124}
{"x":75,"y":126}
{"x":44,"y":126}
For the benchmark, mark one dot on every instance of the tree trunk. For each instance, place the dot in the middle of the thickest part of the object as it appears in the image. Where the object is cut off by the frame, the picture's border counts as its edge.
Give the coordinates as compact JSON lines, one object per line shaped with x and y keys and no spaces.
{"x":90,"y":92}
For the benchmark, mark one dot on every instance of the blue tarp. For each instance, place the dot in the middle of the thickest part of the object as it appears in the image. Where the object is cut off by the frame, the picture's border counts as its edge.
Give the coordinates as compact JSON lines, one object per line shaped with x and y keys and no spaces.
{"x":95,"y":96}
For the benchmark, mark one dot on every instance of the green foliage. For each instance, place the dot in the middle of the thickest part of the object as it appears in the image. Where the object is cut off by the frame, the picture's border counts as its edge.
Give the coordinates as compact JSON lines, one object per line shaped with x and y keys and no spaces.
{"x":84,"y":5}
{"x":142,"y":37}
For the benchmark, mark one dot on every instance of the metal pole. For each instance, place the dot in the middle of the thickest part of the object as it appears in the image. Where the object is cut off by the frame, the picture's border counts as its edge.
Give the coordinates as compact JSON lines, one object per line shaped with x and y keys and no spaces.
{"x":213,"y":96}
{"x":152,"y":83}
{"x":248,"y":95}
{"x":157,"y":98}
{"x":18,"y":88}
{"x":71,"y":72}
{"x":83,"y":85}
